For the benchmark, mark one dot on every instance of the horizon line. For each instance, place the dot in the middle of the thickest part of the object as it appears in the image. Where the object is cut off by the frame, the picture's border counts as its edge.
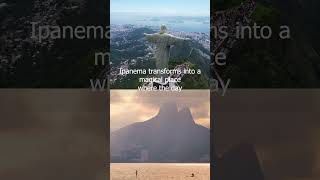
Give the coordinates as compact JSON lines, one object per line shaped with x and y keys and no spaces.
{"x":161,"y":14}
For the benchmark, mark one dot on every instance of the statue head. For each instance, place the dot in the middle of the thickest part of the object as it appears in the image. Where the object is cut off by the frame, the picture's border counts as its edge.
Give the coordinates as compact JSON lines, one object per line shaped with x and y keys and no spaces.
{"x":163,"y":29}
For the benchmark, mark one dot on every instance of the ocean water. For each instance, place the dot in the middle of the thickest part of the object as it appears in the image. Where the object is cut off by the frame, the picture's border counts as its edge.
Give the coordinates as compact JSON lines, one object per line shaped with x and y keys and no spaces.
{"x":175,"y":23}
{"x":159,"y":171}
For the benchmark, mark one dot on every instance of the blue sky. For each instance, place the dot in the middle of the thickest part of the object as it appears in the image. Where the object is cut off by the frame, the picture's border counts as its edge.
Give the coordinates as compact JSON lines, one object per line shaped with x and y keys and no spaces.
{"x":162,"y":7}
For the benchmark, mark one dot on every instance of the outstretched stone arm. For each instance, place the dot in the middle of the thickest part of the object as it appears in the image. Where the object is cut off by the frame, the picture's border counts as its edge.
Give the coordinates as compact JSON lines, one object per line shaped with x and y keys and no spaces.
{"x":173,"y":40}
{"x":151,"y":37}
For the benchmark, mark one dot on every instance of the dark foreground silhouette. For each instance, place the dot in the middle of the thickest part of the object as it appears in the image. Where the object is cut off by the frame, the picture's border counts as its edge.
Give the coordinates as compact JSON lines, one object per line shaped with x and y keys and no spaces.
{"x":240,"y":162}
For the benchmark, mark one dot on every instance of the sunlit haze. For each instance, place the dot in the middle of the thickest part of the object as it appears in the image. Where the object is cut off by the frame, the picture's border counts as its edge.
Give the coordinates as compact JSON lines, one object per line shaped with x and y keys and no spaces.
{"x":129,"y":106}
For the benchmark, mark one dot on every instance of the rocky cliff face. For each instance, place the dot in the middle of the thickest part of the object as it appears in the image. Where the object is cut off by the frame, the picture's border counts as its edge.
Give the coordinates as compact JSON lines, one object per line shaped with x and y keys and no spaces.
{"x":301,"y":16}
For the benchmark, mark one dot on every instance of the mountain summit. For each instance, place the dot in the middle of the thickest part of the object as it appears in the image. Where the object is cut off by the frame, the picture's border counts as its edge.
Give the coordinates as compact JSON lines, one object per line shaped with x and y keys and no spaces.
{"x":170,"y":136}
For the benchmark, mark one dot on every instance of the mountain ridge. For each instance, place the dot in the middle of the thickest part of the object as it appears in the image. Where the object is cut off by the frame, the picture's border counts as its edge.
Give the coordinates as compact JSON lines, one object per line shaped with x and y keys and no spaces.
{"x":170,"y":136}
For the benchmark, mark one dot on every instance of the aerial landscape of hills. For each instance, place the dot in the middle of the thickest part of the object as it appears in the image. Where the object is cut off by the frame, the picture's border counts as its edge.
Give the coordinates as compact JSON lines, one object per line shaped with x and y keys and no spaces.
{"x":130,"y":50}
{"x":65,"y":62}
{"x":170,"y":136}
{"x":274,"y":62}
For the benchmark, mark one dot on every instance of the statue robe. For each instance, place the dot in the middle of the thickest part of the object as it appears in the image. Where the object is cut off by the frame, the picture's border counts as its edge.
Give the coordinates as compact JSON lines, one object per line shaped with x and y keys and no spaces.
{"x":163,"y":43}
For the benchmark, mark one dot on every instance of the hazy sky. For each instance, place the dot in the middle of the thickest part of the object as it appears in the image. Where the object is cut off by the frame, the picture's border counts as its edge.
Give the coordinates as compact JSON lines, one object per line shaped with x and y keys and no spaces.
{"x":163,"y":7}
{"x":128,"y":106}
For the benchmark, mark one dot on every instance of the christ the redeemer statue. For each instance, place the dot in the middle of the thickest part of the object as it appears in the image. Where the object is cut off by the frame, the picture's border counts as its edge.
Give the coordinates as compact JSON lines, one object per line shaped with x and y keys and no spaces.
{"x":163,"y":42}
